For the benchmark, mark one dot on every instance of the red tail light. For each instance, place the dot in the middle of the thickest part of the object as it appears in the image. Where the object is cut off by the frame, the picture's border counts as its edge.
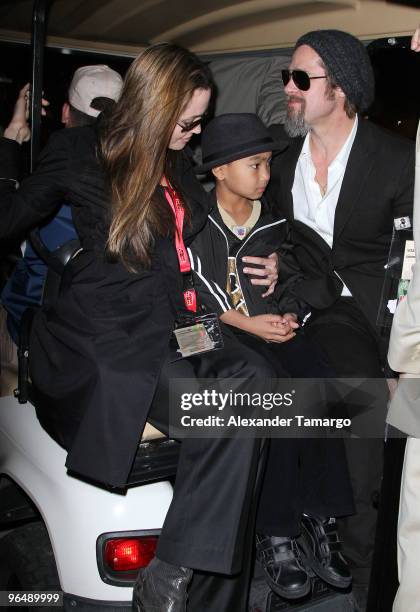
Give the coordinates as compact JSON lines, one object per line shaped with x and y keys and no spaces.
{"x":125,"y":554}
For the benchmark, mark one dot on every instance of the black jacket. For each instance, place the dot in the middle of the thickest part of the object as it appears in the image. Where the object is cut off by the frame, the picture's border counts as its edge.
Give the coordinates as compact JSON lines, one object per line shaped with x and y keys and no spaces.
{"x":96,"y":354}
{"x":377,"y":188}
{"x":209,"y":253}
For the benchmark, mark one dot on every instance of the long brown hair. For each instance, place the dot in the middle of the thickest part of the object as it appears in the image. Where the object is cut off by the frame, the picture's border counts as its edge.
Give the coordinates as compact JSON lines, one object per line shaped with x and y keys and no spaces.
{"x":134,"y":144}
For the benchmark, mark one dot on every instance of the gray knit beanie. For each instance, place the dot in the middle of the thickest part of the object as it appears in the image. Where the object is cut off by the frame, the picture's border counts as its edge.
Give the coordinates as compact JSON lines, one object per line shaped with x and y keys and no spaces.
{"x":347,"y":61}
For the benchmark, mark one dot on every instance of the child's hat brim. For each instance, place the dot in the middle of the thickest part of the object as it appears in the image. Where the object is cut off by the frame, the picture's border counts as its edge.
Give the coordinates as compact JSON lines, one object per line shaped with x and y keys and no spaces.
{"x":226,"y":156}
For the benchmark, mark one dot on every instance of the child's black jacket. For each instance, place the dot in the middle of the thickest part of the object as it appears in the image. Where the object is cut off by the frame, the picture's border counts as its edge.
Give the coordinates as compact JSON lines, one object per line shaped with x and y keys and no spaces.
{"x":209,"y":253}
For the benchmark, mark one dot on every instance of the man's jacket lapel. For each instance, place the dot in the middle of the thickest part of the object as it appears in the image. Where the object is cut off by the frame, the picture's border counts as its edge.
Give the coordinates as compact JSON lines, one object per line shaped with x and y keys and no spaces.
{"x":358,"y":168}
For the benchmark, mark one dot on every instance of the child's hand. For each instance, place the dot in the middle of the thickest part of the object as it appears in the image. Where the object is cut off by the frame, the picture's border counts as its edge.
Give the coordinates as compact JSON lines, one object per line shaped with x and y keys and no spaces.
{"x":289,"y":322}
{"x":292,"y":319}
{"x":271,"y":327}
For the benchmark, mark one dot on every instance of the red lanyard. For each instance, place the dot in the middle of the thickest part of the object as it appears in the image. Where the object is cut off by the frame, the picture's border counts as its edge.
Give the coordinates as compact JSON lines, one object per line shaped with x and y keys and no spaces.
{"x":190,"y":297}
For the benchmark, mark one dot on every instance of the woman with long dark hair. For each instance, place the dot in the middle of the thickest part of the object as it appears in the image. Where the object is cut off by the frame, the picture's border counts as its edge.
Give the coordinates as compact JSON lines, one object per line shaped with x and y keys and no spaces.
{"x":100,"y":361}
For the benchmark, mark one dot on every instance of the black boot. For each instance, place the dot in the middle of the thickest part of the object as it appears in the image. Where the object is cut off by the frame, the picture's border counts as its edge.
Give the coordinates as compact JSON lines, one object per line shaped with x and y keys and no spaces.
{"x":284,"y":572}
{"x":161,"y":587}
{"x":320,"y":547}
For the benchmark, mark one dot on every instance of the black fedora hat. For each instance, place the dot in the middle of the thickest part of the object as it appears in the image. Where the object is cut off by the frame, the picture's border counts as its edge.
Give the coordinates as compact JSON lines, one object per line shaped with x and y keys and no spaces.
{"x":234,"y":136}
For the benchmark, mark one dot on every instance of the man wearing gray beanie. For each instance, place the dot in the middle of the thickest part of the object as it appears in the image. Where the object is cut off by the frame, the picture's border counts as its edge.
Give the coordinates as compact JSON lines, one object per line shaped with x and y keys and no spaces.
{"x":343,"y":184}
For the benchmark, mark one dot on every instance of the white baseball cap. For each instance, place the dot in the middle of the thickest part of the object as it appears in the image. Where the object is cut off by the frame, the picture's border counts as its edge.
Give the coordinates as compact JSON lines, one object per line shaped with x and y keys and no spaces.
{"x":90,"y":82}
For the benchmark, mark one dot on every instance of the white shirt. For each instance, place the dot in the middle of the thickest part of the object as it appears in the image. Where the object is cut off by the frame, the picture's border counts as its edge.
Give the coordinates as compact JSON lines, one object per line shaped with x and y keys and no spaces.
{"x":309,"y":205}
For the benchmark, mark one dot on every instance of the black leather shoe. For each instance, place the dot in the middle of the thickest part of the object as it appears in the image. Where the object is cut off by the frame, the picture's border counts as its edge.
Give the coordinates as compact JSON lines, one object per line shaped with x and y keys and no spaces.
{"x":161,"y":587}
{"x":283,"y":569}
{"x":320,"y":547}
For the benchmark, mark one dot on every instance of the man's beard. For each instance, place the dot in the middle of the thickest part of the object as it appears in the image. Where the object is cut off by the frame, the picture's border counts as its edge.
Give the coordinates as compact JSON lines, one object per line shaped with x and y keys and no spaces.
{"x":295,"y":120}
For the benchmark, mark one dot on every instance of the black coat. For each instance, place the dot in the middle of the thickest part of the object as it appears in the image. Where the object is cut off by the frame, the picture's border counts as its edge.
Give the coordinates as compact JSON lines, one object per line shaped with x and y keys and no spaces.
{"x":377,"y":188}
{"x":96,"y":354}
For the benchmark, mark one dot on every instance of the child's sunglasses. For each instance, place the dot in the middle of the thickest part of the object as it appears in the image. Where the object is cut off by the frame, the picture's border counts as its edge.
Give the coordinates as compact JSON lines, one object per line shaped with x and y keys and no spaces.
{"x":301,"y":79}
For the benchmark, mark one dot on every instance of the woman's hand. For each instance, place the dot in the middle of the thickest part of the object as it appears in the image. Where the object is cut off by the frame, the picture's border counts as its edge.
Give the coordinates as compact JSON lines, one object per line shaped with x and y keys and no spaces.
{"x":269,"y":273}
{"x":18,"y":128}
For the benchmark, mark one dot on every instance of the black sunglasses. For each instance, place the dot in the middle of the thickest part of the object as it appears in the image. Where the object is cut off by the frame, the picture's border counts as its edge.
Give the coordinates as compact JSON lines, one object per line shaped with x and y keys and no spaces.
{"x":301,"y":79}
{"x":187,"y":127}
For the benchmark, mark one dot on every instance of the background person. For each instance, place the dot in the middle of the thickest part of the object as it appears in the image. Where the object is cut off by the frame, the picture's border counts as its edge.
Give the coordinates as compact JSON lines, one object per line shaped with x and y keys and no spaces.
{"x":91,"y":91}
{"x":341,"y":184}
{"x":8,"y":355}
{"x":404,"y":413}
{"x":404,"y":357}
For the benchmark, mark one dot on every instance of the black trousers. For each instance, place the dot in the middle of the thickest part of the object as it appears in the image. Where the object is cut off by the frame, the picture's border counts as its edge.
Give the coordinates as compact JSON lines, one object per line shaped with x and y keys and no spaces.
{"x":301,"y":474}
{"x":209,"y":526}
{"x":346,"y":337}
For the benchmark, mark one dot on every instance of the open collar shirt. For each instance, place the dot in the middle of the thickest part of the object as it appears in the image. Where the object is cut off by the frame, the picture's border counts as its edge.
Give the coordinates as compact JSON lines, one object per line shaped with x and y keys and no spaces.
{"x":309,"y":205}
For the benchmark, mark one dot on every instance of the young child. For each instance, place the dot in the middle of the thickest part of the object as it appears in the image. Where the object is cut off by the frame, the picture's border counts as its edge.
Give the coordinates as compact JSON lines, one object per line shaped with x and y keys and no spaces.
{"x":237,"y":148}
{"x":309,"y":475}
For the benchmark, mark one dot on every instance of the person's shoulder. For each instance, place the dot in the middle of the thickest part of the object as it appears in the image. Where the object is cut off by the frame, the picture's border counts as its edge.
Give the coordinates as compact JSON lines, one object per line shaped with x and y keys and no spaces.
{"x":73,"y":138}
{"x":385,"y":138}
{"x":277,"y":132}
{"x":266,"y":207}
{"x":270,"y":215}
{"x":71,"y":150}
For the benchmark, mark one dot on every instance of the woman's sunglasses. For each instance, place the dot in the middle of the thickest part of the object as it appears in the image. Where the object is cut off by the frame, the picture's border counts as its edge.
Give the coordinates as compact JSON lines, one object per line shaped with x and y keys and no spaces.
{"x":300,"y":78}
{"x":187,"y":127}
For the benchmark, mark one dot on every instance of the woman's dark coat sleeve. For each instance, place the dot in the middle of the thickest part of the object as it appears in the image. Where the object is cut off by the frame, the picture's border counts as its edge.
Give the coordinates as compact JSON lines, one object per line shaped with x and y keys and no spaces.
{"x":39,"y":195}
